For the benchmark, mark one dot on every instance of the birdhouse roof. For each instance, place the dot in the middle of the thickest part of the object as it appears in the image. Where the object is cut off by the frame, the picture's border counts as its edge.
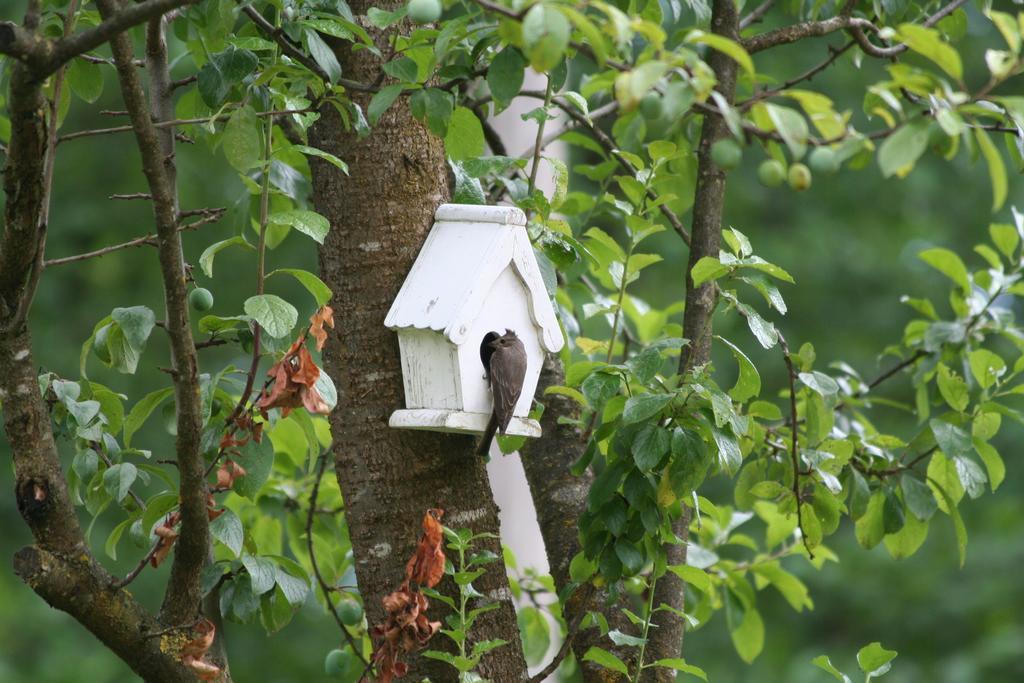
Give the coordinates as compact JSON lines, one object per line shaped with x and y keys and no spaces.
{"x":465,"y":252}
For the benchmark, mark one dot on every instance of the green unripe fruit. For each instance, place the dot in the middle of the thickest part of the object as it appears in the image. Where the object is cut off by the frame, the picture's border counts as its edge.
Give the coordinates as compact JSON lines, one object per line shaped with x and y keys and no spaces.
{"x":771,"y":173}
{"x":799,"y":177}
{"x":99,"y":344}
{"x":350,"y":612}
{"x":424,"y":11}
{"x":200,"y":299}
{"x":824,"y":160}
{"x":726,"y":154}
{"x":651,"y":106}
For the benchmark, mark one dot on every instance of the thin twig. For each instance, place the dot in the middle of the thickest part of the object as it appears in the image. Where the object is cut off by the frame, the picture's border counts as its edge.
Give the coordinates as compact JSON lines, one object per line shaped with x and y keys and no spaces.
{"x":134,"y":573}
{"x":757,"y":14}
{"x":585,"y":592}
{"x":147,"y":240}
{"x":175,"y":122}
{"x":794,"y":446}
{"x":321,"y":466}
{"x":835,"y":53}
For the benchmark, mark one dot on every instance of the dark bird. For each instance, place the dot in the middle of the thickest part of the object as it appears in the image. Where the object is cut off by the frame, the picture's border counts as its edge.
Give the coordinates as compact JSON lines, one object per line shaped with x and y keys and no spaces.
{"x":504,"y":358}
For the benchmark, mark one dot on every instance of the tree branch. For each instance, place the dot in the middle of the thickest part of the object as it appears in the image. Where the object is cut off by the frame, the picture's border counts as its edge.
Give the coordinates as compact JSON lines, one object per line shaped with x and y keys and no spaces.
{"x":324,"y":588}
{"x":794,"y":451}
{"x":147,"y":240}
{"x":182,"y":602}
{"x":115,"y":23}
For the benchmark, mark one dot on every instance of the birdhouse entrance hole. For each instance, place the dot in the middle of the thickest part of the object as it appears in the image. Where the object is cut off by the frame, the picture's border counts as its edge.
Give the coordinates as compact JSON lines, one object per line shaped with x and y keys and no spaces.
{"x":486,"y":351}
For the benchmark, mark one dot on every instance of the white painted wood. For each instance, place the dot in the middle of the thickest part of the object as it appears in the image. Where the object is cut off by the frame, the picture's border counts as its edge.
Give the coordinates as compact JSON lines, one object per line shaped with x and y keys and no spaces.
{"x":476,"y":273}
{"x":430,"y":370}
{"x":459,"y":422}
{"x":505,"y":308}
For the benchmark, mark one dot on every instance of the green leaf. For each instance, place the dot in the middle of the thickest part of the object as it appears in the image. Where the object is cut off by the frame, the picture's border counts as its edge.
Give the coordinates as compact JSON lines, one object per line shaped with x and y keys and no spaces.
{"x":605,"y":659}
{"x":729,"y":455}
{"x":996,"y":169}
{"x":85,"y":79}
{"x":142,"y":410}
{"x":986,"y":367}
{"x":748,"y":637}
{"x":319,"y":153}
{"x":545,"y":36}
{"x":307,"y":222}
{"x":681,"y":665}
{"x":870,"y":527}
{"x":295,"y":589}
{"x":644,"y":406}
{"x":724,"y":45}
{"x":953,"y":388}
{"x":820,"y":382}
{"x":206,"y":259}
{"x":468,"y":189}
{"x":222,"y":71}
{"x":262,"y":573}
{"x":630,"y":556}
{"x":322,"y":54}
{"x":949,"y":264}
{"x":382,"y":101}
{"x":825,"y":664}
{"x":118,"y":479}
{"x":791,"y":126}
{"x":505,"y":76}
{"x":958,"y":522}
{"x":706,"y":269}
{"x":1006,"y":239}
{"x":227,"y":529}
{"x":993,"y":462}
{"x":698,"y":578}
{"x":465,"y":137}
{"x":258,"y":460}
{"x":314,"y":285}
{"x":952,"y":440}
{"x":110,"y":547}
{"x":275,"y":315}
{"x":928,"y":43}
{"x":918,"y":496}
{"x":536,"y":634}
{"x":875,"y":660}
{"x":650,"y":444}
{"x":241,"y":141}
{"x":908,"y":539}
{"x":902,"y":149}
{"x":620,"y":638}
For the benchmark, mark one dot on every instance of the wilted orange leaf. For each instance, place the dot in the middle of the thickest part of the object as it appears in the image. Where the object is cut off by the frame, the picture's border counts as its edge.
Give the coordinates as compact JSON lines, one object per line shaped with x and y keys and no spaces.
{"x":426,"y":567}
{"x":193,"y":651}
{"x":325,"y":316}
{"x":295,"y":377}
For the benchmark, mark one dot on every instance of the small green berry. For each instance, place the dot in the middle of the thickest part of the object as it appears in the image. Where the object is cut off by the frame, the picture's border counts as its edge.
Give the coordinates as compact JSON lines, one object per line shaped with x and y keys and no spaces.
{"x":823,"y":160}
{"x":200,"y":299}
{"x":424,"y":11}
{"x":771,"y":173}
{"x":799,"y":177}
{"x":726,"y":154}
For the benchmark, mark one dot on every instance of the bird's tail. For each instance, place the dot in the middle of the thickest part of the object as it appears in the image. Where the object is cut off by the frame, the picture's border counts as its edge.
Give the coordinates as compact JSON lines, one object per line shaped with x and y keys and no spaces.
{"x":485,"y":443}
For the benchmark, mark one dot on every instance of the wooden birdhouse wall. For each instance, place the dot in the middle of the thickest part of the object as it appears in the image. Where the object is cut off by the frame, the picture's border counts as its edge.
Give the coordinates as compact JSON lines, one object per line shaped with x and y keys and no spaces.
{"x":430,"y":367}
{"x":505,"y":307}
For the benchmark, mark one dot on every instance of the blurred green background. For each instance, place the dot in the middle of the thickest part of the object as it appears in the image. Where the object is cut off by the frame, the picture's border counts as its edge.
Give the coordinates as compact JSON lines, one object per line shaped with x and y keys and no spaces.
{"x":850,"y":243}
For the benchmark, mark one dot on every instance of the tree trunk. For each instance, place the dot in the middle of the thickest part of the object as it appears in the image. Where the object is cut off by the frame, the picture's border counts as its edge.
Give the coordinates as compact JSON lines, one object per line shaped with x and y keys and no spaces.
{"x":667,"y":640}
{"x":560,"y":498}
{"x":380,"y":214}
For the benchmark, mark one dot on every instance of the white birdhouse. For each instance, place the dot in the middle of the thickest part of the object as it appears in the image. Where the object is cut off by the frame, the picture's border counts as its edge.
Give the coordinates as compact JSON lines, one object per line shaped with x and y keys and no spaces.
{"x":476,"y":274}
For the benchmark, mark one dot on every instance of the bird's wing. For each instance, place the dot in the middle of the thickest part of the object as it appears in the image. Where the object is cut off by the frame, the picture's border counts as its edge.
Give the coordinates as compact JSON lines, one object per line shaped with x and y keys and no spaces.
{"x":508,"y":369}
